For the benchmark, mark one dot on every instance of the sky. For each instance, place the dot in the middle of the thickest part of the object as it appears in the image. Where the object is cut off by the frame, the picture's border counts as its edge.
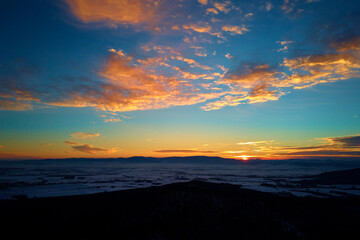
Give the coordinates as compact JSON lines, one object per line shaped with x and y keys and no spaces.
{"x":235,"y":79}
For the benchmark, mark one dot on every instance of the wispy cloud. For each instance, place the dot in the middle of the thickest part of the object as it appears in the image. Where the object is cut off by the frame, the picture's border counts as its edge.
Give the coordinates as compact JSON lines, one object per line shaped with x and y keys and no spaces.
{"x":284,"y":45}
{"x":223,"y":7}
{"x":228,"y":56}
{"x":344,"y":146}
{"x":324,"y":153}
{"x":252,"y":143}
{"x":200,"y":28}
{"x":157,"y":76}
{"x":133,"y":85}
{"x":87,"y":148}
{"x":203,"y":2}
{"x":16,"y":93}
{"x":212,"y":10}
{"x":288,"y":6}
{"x":14,"y":105}
{"x":81,"y":135}
{"x":347,"y":146}
{"x":268,"y":6}
{"x":71,"y":143}
{"x":251,"y":84}
{"x":262,"y":83}
{"x":347,"y":141}
{"x":183,"y":151}
{"x":235,"y":29}
{"x":112,"y":120}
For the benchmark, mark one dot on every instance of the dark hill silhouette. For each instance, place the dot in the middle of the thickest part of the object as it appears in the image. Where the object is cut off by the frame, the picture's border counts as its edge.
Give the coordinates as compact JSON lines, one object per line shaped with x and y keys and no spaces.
{"x":192,"y":210}
{"x":351,"y":176}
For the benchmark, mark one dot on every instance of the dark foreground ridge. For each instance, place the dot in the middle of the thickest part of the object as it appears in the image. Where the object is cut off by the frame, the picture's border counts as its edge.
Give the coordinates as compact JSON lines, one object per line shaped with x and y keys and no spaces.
{"x":192,"y":210}
{"x":351,"y":176}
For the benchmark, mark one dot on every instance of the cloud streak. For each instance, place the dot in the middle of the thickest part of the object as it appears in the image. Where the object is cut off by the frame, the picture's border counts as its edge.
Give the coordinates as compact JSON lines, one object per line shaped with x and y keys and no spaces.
{"x":133,"y":85}
{"x":88,"y":148}
{"x":70,"y":142}
{"x":159,"y":76}
{"x":183,"y":151}
{"x":324,"y":153}
{"x":130,"y":84}
{"x":347,"y":146}
{"x":262,"y":83}
{"x":235,"y":29}
{"x":81,"y":135}
{"x":133,"y":12}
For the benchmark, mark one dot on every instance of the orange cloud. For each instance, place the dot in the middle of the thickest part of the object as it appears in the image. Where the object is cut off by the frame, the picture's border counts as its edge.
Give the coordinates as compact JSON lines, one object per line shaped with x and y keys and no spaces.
{"x":345,"y":45}
{"x":347,"y":141}
{"x":114,"y":12}
{"x":204,"y":28}
{"x":14,"y":105}
{"x":212,"y":10}
{"x":228,"y":56}
{"x":113,"y":120}
{"x":261,"y":96}
{"x":87,"y":148}
{"x":223,"y":7}
{"x":16,"y":99}
{"x":346,"y":146}
{"x":200,"y":54}
{"x":126,"y":116}
{"x":125,"y":83}
{"x":175,"y":27}
{"x":255,"y":143}
{"x":184,"y":151}
{"x":324,"y":153}
{"x":188,"y":75}
{"x":131,"y":85}
{"x":251,"y":75}
{"x":252,"y":86}
{"x":285,"y":45}
{"x":203,"y":2}
{"x":255,"y":84}
{"x":191,"y":62}
{"x":312,"y":70}
{"x":70,"y":142}
{"x":19,"y":95}
{"x":16,"y":90}
{"x":235,"y":29}
{"x":80,"y":135}
{"x":261,"y":93}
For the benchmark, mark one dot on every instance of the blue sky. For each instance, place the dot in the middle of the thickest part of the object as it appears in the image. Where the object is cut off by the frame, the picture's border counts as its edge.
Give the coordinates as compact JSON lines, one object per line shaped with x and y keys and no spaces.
{"x":239,"y":79}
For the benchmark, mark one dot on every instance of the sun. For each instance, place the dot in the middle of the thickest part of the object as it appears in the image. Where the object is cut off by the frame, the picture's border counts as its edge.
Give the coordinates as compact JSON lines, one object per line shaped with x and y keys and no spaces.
{"x":243,"y":157}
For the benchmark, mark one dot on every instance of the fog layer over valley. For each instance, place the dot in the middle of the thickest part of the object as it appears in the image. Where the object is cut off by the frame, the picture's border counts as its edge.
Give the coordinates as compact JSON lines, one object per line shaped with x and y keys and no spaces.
{"x":61,"y":177}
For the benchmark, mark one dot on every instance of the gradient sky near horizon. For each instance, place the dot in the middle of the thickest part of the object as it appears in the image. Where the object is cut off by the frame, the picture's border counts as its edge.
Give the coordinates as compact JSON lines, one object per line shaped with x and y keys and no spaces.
{"x":236,"y":79}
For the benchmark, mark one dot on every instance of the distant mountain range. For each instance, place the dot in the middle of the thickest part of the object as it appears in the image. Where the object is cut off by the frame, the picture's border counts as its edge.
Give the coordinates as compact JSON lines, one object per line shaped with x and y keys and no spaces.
{"x":188,"y":159}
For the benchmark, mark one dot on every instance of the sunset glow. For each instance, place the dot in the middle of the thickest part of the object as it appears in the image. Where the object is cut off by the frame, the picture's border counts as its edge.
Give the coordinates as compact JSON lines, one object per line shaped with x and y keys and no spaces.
{"x":235,"y":79}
